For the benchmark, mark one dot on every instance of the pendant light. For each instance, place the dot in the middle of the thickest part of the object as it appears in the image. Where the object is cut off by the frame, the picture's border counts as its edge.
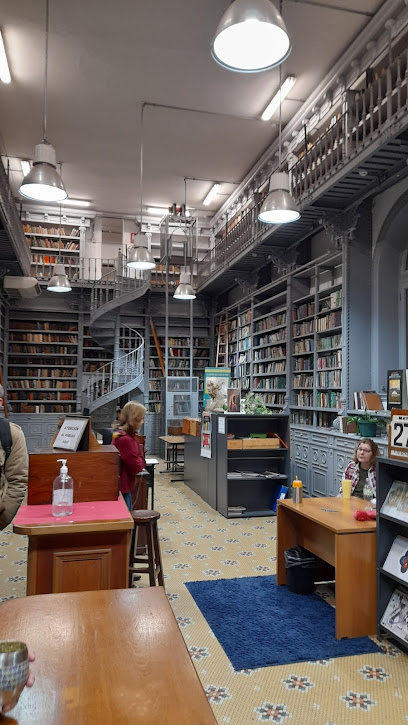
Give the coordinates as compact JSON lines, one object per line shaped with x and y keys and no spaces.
{"x":279,"y":206}
{"x":59,"y":281}
{"x":251,"y":37}
{"x":184,"y":290}
{"x":43,"y":182}
{"x":139,"y":256}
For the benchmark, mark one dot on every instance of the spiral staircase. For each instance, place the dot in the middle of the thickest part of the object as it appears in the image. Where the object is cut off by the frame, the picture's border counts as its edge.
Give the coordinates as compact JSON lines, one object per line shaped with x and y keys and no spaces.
{"x":124,"y":373}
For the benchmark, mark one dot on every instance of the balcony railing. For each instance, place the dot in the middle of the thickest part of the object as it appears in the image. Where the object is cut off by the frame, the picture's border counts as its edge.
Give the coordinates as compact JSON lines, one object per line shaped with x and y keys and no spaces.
{"x":369,"y":114}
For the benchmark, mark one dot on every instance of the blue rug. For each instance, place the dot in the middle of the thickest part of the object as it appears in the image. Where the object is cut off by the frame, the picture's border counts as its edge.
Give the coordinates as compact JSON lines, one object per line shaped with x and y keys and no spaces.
{"x":259,"y":624}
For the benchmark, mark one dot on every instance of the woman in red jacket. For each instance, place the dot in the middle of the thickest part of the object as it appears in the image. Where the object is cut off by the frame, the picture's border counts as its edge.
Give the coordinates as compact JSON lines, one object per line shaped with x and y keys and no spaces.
{"x":125,"y":439}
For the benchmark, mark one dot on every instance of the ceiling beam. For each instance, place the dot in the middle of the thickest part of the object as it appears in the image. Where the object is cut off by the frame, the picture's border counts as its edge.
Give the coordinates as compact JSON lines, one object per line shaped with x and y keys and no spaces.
{"x":332,"y":7}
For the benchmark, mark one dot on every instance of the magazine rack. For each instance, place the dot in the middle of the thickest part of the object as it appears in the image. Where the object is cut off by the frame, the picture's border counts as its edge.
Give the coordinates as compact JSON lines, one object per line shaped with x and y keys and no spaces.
{"x":392,"y":477}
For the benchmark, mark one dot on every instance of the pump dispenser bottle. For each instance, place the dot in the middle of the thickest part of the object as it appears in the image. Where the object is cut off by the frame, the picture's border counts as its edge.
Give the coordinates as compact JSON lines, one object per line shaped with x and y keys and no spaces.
{"x":62,"y":492}
{"x":297,"y":493}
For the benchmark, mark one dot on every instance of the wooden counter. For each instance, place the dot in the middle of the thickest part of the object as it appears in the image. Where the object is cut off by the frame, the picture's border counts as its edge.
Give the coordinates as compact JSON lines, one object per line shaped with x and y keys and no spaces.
{"x":111,"y":657}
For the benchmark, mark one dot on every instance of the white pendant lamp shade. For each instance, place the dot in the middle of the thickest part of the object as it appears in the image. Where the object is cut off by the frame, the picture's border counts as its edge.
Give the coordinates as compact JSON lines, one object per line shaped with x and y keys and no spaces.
{"x":139,"y":256}
{"x":279,"y":206}
{"x":59,"y":280}
{"x":43,"y":182}
{"x":184,"y":290}
{"x":251,"y":37}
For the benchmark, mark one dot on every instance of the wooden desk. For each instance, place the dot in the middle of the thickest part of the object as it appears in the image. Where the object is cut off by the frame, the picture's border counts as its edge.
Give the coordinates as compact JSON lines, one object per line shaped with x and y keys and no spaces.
{"x":103,"y":657}
{"x":83,"y":552}
{"x":343,"y":542}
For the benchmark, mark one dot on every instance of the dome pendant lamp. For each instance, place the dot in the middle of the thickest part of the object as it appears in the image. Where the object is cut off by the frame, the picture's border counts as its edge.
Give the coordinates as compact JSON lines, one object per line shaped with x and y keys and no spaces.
{"x":251,"y":37}
{"x":279,"y":206}
{"x":139,"y":255}
{"x":59,"y":280}
{"x":184,"y":290}
{"x":43,"y":182}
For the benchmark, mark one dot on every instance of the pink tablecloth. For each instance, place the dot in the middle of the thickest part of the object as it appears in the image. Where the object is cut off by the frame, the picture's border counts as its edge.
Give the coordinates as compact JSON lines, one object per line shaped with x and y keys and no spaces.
{"x":86,"y":511}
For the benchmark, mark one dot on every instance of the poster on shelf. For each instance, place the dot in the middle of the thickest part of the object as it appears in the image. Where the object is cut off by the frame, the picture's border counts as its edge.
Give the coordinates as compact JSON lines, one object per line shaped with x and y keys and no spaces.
{"x":233,"y":400}
{"x":397,"y":389}
{"x":220,"y":376}
{"x":396,"y":562}
{"x":206,"y":435}
{"x":395,"y":617}
{"x":398,"y":435}
{"x":396,"y":502}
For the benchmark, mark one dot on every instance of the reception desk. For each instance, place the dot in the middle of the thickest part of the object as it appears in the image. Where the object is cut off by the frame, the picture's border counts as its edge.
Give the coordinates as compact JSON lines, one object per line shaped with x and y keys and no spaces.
{"x":83,"y":552}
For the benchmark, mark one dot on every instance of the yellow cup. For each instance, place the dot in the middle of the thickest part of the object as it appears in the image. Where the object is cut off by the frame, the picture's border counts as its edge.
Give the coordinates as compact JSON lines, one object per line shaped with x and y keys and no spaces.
{"x":346,"y":486}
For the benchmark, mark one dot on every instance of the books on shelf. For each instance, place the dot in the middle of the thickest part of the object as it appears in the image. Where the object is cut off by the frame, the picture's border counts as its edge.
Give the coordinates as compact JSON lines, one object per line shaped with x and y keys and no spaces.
{"x":396,"y":562}
{"x":395,"y":617}
{"x":367,"y":400}
{"x":396,"y":502}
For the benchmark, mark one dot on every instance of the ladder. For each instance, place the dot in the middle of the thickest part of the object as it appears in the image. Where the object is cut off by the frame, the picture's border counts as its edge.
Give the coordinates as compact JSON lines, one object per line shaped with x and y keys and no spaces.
{"x":222,"y":343}
{"x":158,"y":348}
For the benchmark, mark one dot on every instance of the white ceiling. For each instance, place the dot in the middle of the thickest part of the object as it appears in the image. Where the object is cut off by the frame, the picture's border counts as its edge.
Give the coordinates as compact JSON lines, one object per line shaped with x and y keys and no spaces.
{"x":106,"y":58}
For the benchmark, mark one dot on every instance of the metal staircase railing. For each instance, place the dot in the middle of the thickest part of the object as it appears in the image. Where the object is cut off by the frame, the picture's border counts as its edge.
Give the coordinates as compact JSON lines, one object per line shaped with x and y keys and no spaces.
{"x":120,"y":376}
{"x":125,"y":372}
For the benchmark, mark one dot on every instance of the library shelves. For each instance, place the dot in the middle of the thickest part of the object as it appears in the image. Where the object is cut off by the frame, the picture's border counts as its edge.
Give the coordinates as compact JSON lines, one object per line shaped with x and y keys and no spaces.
{"x":93,"y":355}
{"x":388,"y":528}
{"x":249,"y":479}
{"x":42,"y":364}
{"x":269,"y":371}
{"x":50,"y":244}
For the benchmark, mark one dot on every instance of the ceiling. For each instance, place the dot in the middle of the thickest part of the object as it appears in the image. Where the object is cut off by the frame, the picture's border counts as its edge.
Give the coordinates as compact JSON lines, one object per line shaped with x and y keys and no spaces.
{"x":108,"y":58}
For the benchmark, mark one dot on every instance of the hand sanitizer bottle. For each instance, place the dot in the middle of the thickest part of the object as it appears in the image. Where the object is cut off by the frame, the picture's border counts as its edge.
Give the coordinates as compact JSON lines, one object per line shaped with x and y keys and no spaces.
{"x":62,"y":492}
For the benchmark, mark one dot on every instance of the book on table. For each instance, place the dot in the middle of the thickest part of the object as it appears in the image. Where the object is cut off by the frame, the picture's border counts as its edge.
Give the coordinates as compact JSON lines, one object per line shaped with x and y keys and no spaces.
{"x":396,"y":562}
{"x":396,"y":502}
{"x":395,"y":617}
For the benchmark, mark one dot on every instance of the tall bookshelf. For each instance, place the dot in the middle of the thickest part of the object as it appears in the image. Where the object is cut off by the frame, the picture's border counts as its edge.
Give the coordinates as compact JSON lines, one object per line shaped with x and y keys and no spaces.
{"x":269,"y":373}
{"x":317,"y":343}
{"x":93,"y":355}
{"x":43,"y":361}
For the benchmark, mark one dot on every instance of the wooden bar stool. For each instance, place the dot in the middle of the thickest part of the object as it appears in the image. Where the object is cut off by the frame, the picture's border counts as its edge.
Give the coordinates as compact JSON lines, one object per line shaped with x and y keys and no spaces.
{"x":147,"y":520}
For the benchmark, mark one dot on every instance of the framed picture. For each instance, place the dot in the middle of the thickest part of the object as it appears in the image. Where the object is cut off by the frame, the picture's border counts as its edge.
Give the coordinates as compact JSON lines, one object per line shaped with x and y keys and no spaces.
{"x":234,"y":400}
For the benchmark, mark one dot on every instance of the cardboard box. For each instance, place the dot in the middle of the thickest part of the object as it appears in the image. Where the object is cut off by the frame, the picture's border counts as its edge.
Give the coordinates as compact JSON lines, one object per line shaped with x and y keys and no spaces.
{"x":234,"y":444}
{"x":259,"y":443}
{"x":186,"y":426}
{"x":195,"y":427}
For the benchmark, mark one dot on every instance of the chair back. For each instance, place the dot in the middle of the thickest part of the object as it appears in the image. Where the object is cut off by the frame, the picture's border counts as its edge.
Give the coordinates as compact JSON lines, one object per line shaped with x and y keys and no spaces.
{"x":107,"y":436}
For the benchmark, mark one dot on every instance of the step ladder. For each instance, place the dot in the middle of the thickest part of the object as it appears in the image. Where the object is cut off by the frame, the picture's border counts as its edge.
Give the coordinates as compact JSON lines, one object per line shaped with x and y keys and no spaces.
{"x":158,"y":348}
{"x":221,"y":360}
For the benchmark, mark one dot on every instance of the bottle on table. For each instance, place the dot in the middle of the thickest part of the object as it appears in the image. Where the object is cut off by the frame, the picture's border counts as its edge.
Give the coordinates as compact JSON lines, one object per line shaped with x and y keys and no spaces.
{"x":297,"y":492}
{"x":62,"y":492}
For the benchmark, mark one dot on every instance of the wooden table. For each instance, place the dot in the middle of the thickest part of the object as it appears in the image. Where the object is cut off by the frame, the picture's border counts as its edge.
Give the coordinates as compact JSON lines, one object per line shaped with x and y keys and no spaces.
{"x":111,"y":657}
{"x":174,"y":442}
{"x":327,"y":527}
{"x":86,"y":551}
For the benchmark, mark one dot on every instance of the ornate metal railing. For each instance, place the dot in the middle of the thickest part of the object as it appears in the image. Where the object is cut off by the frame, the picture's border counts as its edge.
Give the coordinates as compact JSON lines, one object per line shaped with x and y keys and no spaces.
{"x":367,"y":115}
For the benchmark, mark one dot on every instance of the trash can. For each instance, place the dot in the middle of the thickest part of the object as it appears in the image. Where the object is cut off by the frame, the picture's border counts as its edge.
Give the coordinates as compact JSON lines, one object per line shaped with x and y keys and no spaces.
{"x":300,"y":567}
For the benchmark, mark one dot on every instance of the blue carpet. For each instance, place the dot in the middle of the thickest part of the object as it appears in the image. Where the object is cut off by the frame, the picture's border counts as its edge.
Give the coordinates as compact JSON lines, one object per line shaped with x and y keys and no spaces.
{"x":259,"y":624}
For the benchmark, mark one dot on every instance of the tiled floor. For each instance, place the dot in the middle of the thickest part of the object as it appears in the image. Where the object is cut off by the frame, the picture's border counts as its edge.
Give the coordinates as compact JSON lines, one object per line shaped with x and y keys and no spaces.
{"x":199,"y":543}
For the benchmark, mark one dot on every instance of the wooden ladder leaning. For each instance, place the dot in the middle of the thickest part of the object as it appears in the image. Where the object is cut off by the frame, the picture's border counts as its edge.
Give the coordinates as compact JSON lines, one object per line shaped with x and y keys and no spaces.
{"x":221,"y":360}
{"x":158,"y":348}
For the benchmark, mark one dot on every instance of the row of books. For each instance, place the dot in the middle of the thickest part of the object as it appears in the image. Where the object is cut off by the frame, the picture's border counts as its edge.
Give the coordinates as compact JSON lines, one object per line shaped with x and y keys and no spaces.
{"x":328,"y":400}
{"x":40,"y":384}
{"x":55,"y":350}
{"x":302,"y":381}
{"x":269,"y":368}
{"x":42,"y":373}
{"x":47,"y":326}
{"x":40,"y":408}
{"x":270,"y":322}
{"x":270,"y":383}
{"x":267,"y":352}
{"x":55,"y":231}
{"x":40,"y":337}
{"x":304,"y":363}
{"x":272,"y":398}
{"x":305,"y":310}
{"x":330,"y":361}
{"x":271,"y":339}
{"x":52,"y":243}
{"x":303,"y":346}
{"x":22,"y":395}
{"x":367,"y":400}
{"x":330,"y":379}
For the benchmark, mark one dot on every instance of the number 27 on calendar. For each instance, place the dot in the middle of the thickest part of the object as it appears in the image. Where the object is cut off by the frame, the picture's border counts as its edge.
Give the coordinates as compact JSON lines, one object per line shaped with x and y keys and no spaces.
{"x":398,"y":434}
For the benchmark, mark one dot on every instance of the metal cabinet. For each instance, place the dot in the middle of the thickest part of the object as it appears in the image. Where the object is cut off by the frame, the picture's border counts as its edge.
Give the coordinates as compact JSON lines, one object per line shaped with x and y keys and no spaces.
{"x":38,"y":429}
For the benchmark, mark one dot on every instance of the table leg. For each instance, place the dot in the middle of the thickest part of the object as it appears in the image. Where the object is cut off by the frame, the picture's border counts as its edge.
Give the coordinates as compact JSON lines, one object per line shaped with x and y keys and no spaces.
{"x":287,"y":538}
{"x":355,"y":584}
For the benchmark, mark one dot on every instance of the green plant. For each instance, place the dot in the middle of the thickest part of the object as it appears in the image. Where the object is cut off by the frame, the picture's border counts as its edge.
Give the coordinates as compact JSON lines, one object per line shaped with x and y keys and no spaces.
{"x":253,"y":405}
{"x":367,"y":418}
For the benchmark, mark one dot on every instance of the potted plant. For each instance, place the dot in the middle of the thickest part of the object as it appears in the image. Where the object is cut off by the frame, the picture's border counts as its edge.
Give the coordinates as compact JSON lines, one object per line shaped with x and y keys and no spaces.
{"x":367,"y":425}
{"x":352,"y":424}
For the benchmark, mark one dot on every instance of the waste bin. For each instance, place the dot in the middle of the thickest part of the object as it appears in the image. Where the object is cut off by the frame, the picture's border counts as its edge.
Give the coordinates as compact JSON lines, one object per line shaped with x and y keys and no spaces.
{"x":300,"y":567}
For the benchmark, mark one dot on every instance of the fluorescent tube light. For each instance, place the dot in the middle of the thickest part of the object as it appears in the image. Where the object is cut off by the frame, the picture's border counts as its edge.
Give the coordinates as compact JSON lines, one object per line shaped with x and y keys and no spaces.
{"x":280,"y":96}
{"x":25,"y":167}
{"x":213,"y":192}
{"x":4,"y":67}
{"x":158,"y":209}
{"x":75,"y":202}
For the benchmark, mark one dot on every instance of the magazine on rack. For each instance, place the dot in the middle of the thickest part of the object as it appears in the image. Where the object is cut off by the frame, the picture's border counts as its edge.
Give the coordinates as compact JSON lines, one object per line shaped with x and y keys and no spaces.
{"x":395,"y":617}
{"x":396,"y":562}
{"x":396,"y":503}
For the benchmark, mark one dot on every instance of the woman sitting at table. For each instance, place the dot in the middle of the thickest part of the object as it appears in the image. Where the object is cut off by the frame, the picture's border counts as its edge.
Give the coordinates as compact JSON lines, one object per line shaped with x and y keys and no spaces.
{"x":361,"y":470}
{"x":130,"y":419}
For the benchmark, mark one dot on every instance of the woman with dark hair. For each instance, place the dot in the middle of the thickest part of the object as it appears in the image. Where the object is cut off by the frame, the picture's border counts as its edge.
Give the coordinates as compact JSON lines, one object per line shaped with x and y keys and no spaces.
{"x":361,"y":470}
{"x":125,"y":439}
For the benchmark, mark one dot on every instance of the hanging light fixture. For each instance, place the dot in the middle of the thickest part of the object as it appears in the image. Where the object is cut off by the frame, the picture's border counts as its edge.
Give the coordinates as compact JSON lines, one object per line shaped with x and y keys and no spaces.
{"x":59,"y":281}
{"x":279,"y":206}
{"x":43,"y":182}
{"x":139,"y":255}
{"x":184,"y":290}
{"x":251,"y":37}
